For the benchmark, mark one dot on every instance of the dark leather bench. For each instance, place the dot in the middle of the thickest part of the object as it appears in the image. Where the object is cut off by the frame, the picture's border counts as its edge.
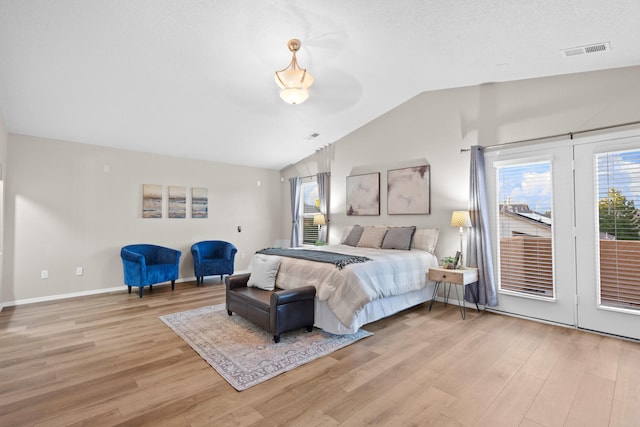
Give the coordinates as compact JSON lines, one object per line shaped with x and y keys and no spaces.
{"x":276,"y":311}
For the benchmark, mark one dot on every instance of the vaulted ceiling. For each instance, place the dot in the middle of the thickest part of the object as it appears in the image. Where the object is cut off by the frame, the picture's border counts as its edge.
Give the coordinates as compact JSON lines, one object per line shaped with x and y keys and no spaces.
{"x":195,"y":78}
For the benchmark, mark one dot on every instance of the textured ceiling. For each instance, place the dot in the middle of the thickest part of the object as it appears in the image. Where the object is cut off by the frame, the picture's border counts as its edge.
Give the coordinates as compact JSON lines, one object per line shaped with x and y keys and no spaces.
{"x":195,"y":78}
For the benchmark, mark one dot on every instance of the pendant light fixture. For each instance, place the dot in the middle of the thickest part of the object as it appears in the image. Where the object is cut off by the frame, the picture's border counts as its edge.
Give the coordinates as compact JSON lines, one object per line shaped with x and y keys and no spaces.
{"x":294,"y":81}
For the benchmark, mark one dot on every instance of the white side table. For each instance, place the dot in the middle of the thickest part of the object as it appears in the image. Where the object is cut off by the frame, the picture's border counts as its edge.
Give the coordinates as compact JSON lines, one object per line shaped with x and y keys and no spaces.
{"x":462,"y":277}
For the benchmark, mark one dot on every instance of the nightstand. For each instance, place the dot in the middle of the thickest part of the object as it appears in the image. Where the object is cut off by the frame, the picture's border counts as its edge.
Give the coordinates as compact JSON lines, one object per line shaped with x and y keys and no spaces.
{"x":462,"y":277}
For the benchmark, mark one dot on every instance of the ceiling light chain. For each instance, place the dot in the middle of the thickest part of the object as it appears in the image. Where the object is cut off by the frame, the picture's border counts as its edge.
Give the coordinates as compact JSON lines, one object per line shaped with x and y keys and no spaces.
{"x":293,"y":80}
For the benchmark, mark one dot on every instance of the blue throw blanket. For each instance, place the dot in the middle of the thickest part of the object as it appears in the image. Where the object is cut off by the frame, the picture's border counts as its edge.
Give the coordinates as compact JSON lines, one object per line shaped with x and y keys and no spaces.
{"x":339,"y":260}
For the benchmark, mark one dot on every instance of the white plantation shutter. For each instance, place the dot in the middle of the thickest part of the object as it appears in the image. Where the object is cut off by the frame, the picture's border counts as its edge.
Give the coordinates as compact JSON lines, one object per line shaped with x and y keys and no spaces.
{"x":618,"y":188}
{"x":525,"y":230}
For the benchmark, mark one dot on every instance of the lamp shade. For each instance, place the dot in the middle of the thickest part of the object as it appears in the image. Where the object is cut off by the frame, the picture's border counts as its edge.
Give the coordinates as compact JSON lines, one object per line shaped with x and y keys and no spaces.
{"x":460,"y":219}
{"x":294,"y":95}
{"x":318,"y":219}
{"x":294,"y":78}
{"x":294,"y":81}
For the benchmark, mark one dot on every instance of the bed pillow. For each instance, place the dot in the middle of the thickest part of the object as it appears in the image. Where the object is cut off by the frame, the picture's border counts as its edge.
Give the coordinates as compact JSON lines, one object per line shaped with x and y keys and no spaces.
{"x":345,"y":233}
{"x":426,"y":239}
{"x":264,"y":269}
{"x":398,"y":238}
{"x":354,"y":236}
{"x":372,"y":237}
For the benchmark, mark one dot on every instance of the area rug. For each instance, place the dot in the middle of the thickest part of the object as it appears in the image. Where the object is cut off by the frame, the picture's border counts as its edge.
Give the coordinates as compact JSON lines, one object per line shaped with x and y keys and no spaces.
{"x":244,"y":354}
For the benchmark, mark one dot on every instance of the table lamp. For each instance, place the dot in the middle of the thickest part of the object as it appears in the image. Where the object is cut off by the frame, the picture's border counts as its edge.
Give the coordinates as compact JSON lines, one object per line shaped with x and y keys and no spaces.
{"x":319,"y":220}
{"x":462,"y":220}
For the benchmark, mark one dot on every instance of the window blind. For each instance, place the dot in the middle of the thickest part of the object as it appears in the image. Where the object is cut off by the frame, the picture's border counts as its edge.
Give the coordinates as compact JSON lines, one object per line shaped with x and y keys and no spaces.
{"x":618,"y":192}
{"x":525,"y":229}
{"x":310,"y":206}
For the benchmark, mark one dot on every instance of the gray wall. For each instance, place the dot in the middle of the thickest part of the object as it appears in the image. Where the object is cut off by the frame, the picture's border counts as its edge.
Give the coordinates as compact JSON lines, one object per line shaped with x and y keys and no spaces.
{"x":436,"y":125}
{"x":72,"y":205}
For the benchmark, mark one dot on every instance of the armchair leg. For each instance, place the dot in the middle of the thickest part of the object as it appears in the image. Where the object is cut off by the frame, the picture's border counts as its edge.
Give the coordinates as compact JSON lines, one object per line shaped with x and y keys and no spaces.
{"x":276,"y":339}
{"x":129,"y":288}
{"x":140,"y":288}
{"x":173,"y":284}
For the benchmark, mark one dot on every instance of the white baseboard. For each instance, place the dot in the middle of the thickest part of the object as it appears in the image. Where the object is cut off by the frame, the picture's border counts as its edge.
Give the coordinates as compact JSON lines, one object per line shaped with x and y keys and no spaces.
{"x":60,"y":296}
{"x":82,"y":294}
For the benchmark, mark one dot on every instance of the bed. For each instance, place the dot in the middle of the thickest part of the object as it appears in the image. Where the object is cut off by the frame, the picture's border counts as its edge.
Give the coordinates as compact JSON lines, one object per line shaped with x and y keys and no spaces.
{"x":347,"y":298}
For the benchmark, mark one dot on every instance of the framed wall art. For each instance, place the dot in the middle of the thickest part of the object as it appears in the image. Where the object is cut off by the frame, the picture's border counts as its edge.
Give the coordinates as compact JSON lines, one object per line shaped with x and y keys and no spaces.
{"x":177,"y":202}
{"x":151,"y":201}
{"x":363,"y":194}
{"x":199,"y":203}
{"x":409,"y":191}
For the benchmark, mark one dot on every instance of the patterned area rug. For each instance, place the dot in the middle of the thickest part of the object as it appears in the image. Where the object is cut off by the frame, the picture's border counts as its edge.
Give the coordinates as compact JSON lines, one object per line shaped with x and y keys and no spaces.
{"x":244,"y":354}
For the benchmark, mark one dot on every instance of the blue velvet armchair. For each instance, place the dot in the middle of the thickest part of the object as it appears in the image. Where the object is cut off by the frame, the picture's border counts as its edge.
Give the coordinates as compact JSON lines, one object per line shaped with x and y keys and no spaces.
{"x":145,"y":264}
{"x":212,"y":257}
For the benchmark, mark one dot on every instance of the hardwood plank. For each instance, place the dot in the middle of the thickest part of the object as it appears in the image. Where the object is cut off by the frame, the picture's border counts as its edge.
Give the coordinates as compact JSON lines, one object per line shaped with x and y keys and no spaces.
{"x":510,"y":406}
{"x":108,"y":360}
{"x":478,"y":394}
{"x":553,"y":402}
{"x":625,"y":410}
{"x":592,"y":404}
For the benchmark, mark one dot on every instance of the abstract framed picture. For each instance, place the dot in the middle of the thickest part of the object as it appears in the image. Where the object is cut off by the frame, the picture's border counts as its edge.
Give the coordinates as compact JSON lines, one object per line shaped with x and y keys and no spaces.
{"x":199,"y":203}
{"x":151,"y":201}
{"x":177,"y":202}
{"x":409,"y":191}
{"x":363,"y":194}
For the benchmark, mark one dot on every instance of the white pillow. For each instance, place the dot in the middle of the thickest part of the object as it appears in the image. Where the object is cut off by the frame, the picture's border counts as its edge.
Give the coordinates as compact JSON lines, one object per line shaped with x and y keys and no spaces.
{"x":426,"y":239}
{"x":264,"y":269}
{"x":372,"y":237}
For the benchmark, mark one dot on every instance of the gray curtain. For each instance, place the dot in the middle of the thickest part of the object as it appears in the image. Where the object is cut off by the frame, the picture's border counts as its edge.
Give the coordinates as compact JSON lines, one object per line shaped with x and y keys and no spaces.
{"x":323,"y":179}
{"x":295,"y":185}
{"x":479,"y":250}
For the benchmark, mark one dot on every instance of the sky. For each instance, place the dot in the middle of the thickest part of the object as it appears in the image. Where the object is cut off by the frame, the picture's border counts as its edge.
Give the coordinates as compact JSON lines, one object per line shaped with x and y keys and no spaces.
{"x":531,"y":183}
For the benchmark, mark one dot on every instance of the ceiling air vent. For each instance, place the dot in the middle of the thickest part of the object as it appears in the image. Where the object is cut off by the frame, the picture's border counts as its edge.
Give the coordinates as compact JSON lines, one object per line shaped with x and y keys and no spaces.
{"x":592,"y":48}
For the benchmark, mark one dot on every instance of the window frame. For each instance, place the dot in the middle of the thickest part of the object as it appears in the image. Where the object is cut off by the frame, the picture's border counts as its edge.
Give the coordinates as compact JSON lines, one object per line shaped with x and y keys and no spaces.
{"x":529,"y":161}
{"x":308,"y":216}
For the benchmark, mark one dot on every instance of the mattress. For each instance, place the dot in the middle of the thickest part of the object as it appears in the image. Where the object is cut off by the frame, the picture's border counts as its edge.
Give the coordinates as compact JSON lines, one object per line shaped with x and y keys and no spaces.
{"x":360,"y":293}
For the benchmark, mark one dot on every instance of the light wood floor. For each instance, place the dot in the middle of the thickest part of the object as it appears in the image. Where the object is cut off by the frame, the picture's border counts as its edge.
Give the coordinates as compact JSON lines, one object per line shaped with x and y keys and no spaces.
{"x":109,"y":360}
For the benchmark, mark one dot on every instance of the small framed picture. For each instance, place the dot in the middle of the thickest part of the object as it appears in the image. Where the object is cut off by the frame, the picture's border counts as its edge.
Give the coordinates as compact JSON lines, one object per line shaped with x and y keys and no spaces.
{"x":457,"y":260}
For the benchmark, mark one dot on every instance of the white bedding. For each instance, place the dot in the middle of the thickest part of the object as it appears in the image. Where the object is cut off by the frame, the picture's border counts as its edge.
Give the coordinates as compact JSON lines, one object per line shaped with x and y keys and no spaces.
{"x":346,"y":292}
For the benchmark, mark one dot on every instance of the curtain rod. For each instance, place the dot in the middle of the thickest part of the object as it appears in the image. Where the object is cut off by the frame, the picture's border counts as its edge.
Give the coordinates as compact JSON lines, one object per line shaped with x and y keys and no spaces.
{"x":569,"y":134}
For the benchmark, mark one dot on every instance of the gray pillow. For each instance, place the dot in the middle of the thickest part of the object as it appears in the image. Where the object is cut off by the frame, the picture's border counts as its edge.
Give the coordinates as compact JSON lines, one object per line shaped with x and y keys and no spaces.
{"x":398,"y":238}
{"x":354,"y":236}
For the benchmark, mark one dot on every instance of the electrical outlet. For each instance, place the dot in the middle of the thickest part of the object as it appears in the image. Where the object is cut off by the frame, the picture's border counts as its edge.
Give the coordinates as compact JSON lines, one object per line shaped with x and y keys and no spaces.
{"x":44,"y":274}
{"x":79,"y":271}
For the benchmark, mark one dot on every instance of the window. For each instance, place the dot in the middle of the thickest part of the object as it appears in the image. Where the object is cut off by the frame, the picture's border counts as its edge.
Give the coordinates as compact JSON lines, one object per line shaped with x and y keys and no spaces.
{"x":310,"y":206}
{"x":525,"y":229}
{"x":618,"y":194}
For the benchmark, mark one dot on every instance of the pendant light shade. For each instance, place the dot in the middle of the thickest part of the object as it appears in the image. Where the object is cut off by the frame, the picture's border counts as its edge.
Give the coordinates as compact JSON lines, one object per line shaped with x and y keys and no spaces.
{"x":294,"y":81}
